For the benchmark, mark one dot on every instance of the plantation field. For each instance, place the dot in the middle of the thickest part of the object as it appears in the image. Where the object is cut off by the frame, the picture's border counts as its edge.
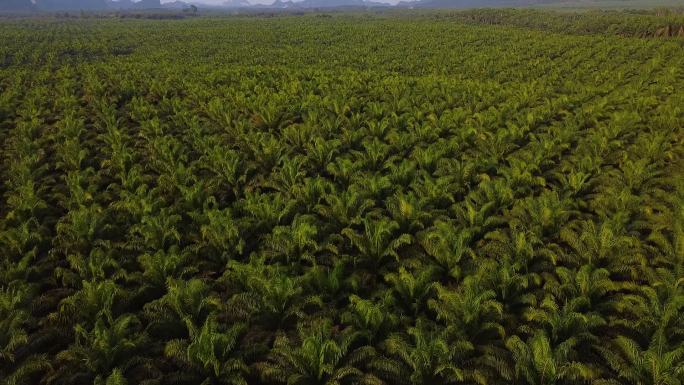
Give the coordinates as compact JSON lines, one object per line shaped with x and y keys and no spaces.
{"x":613,"y":4}
{"x":363,"y":198}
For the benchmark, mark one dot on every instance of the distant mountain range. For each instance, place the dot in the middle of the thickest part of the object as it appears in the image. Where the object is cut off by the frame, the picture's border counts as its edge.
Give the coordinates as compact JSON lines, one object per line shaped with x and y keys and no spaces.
{"x":236,"y":4}
{"x":303,"y":4}
{"x":75,"y":5}
{"x":128,"y":4}
{"x":86,"y":5}
{"x":94,"y":5}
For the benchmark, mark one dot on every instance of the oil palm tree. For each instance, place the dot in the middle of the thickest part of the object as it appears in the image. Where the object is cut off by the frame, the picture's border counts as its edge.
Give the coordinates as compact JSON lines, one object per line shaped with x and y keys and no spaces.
{"x":543,"y":215}
{"x":263,"y":293}
{"x":659,"y":363}
{"x":538,"y":362}
{"x":411,"y":290}
{"x":565,"y":323}
{"x":471,"y":312}
{"x":111,"y":344}
{"x":317,"y":357}
{"x":448,"y":248}
{"x":601,"y":247}
{"x":14,"y":320}
{"x":370,"y":319}
{"x":228,"y":169}
{"x":157,"y":268}
{"x":344,"y":208}
{"x":221,"y":238}
{"x":329,"y":282}
{"x":321,"y":152}
{"x":423,"y":355}
{"x":592,"y":288}
{"x":189,"y":300}
{"x":434,"y":193}
{"x":377,"y":244}
{"x":514,"y":288}
{"x":296,"y":242}
{"x":214,"y":354}
{"x":92,"y":302}
{"x":408,"y":211}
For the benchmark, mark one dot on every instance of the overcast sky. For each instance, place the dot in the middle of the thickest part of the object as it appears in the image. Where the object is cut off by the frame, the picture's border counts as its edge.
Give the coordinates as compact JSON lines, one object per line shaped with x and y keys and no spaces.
{"x":219,"y":2}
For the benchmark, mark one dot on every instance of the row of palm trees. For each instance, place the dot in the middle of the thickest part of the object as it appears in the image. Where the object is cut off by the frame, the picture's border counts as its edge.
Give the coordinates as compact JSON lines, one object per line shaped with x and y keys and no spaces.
{"x":661,"y":23}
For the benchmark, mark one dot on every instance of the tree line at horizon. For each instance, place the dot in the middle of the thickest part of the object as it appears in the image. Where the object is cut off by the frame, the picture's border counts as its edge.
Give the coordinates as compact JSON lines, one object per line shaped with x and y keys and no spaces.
{"x":348,"y":200}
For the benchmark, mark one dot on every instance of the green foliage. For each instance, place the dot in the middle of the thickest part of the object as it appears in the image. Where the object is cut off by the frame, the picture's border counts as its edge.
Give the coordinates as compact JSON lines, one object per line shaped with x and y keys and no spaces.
{"x":420,"y":198}
{"x":539,"y":362}
{"x":320,"y":358}
{"x":212,"y":352}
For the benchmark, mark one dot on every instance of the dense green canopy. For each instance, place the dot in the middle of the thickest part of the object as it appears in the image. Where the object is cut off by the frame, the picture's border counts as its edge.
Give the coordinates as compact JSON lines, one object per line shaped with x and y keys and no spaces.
{"x":353,"y":199}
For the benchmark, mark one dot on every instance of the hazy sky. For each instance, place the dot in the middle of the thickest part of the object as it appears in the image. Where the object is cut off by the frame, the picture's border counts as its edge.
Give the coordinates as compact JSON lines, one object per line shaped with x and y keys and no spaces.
{"x":219,"y":2}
